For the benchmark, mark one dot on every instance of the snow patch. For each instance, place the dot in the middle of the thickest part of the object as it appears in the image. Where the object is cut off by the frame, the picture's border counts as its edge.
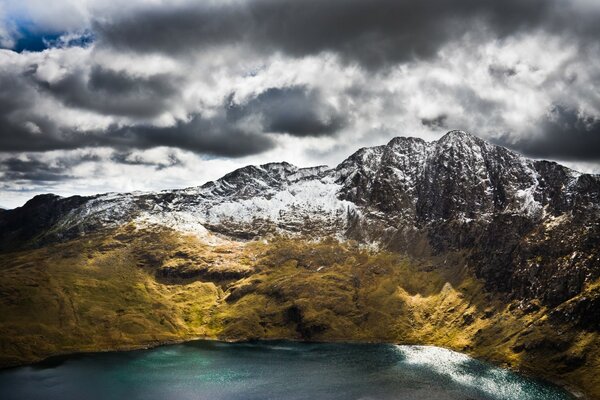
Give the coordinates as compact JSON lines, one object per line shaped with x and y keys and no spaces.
{"x":317,"y":198}
{"x":185,"y":222}
{"x":529,"y":205}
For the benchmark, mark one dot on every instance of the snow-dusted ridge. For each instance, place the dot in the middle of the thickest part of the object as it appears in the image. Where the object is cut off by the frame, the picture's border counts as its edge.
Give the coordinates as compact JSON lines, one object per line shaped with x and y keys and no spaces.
{"x":408,"y":183}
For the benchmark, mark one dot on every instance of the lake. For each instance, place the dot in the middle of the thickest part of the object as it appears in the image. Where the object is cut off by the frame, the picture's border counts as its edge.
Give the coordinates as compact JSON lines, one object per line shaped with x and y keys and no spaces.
{"x":272,"y":370}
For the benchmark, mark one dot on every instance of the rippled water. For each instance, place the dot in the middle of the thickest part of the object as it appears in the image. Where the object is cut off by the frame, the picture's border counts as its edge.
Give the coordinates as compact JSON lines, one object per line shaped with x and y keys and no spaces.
{"x":272,"y":370}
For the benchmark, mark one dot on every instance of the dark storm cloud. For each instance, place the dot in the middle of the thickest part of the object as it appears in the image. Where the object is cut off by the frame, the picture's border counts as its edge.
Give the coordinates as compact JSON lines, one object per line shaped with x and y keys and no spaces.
{"x":295,"y":110}
{"x":14,"y":169}
{"x":214,"y":135}
{"x":565,"y":135}
{"x":35,"y":169}
{"x":374,"y":33}
{"x":117,"y":93}
{"x":24,"y":128}
{"x":501,"y":72}
{"x":436,"y":123}
{"x":21,"y":128}
{"x":129,"y":158}
{"x":39,"y":169}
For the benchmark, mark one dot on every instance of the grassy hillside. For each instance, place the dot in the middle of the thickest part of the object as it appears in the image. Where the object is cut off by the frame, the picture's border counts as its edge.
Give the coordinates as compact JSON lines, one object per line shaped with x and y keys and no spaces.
{"x":130,"y":287}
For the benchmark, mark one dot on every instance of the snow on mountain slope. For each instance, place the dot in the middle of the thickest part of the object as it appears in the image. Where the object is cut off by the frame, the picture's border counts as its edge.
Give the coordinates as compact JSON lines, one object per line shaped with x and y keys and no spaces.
{"x":406,"y":183}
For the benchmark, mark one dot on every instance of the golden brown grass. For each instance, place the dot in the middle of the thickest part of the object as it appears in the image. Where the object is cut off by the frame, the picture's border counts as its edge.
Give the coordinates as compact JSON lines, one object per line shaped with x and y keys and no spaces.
{"x":111,"y":291}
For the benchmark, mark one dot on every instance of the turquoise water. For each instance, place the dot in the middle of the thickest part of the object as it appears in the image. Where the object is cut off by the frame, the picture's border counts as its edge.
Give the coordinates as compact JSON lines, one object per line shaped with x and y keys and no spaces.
{"x":272,"y":370}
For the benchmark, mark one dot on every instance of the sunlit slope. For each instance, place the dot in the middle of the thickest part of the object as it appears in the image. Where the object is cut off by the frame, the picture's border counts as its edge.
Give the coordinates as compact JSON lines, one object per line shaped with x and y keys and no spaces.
{"x":132,"y":287}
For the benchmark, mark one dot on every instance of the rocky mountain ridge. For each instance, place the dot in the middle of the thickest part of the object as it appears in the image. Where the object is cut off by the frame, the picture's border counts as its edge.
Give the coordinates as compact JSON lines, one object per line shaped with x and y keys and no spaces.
{"x":459,"y":193}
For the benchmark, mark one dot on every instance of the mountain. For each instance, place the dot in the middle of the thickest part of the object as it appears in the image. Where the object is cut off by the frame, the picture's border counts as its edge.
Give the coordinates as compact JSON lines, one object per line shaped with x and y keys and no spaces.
{"x":459,"y":192}
{"x":483,"y":235}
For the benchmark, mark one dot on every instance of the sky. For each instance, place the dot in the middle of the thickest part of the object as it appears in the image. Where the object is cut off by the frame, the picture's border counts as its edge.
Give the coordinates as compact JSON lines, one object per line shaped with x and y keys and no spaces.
{"x":99,"y":96}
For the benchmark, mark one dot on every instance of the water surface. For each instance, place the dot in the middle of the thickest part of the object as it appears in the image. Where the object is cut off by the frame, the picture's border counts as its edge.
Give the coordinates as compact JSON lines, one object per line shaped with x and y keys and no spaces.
{"x":206,"y":370}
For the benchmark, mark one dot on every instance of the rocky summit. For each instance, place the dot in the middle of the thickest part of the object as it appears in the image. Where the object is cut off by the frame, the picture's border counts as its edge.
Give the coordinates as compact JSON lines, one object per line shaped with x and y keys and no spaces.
{"x":456,"y":242}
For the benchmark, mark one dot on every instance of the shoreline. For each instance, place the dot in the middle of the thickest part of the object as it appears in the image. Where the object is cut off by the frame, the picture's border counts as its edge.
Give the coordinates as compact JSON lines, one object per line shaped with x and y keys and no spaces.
{"x":57,"y":357}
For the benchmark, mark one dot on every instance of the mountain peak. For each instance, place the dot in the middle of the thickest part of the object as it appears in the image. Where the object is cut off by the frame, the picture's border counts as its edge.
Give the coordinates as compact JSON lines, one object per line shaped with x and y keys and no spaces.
{"x":462,"y":142}
{"x":277,"y":166}
{"x":400,"y":140}
{"x":452,"y":137}
{"x":458,"y":135}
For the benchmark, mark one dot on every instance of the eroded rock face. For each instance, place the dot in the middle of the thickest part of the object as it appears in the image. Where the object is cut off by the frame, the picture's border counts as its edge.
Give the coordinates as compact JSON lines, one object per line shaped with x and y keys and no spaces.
{"x":531,"y":228}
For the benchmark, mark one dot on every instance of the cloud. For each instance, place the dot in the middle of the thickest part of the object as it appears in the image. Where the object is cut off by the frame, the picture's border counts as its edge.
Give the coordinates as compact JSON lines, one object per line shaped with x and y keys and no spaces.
{"x":42,"y":169}
{"x":374,"y":33}
{"x":237,"y":130}
{"x":210,"y":135}
{"x":34,"y":104}
{"x":8,"y":29}
{"x":501,"y":72}
{"x":112,"y":92}
{"x":14,"y":169}
{"x":565,"y":134}
{"x":298,"y":111}
{"x":131,"y":158}
{"x":437,"y":123}
{"x":21,"y":128}
{"x":213,"y":135}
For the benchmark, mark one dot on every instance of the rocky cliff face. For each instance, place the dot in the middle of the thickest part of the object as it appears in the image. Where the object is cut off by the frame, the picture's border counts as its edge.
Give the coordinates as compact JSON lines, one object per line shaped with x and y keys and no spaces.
{"x":530,"y":228}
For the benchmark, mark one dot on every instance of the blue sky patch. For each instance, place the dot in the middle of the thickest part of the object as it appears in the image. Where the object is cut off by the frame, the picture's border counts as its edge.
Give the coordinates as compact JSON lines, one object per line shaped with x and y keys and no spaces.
{"x":40,"y":41}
